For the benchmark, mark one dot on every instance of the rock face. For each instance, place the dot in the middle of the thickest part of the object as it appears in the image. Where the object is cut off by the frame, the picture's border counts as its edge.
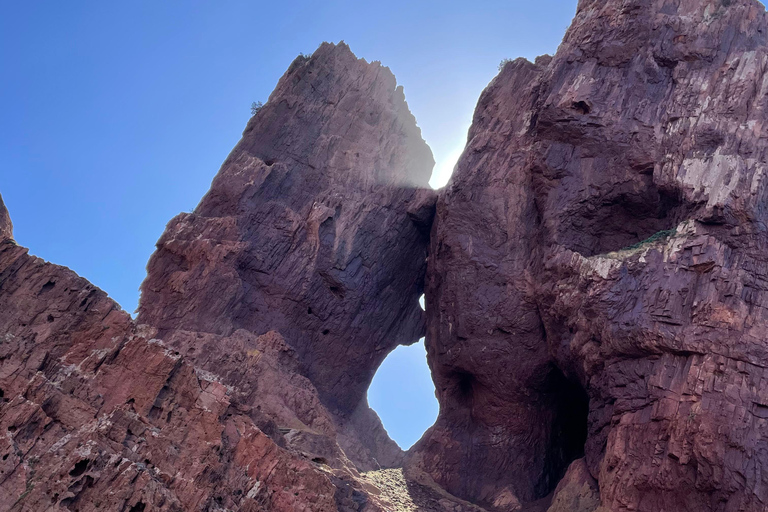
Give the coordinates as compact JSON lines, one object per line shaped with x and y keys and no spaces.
{"x":594,"y":285}
{"x":6,"y":226}
{"x":316,"y":228}
{"x":263,"y":318}
{"x":99,"y":415}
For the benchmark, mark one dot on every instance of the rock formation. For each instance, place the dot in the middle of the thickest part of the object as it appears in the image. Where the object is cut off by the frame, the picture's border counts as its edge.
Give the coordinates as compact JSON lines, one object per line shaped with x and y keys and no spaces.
{"x":594,"y":279}
{"x":315,"y":228}
{"x":98,"y":415}
{"x":594,"y":285}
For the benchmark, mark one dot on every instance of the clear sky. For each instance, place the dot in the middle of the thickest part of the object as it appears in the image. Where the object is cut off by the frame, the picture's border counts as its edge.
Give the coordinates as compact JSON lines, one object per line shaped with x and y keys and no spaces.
{"x":117,"y":115}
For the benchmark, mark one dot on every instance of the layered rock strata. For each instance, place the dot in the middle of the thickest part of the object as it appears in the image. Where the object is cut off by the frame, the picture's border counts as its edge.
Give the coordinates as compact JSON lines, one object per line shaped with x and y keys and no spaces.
{"x":595,"y":322}
{"x":97,"y":414}
{"x":594,"y":285}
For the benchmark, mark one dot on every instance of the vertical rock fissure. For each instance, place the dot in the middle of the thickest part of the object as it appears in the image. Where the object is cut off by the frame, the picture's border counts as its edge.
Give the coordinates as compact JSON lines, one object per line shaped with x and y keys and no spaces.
{"x":568,"y":431}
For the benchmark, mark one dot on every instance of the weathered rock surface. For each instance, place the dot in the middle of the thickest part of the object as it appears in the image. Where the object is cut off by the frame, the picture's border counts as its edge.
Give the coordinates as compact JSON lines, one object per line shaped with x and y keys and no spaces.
{"x":577,"y":491}
{"x":554,"y":332}
{"x":6,"y":226}
{"x":97,"y":414}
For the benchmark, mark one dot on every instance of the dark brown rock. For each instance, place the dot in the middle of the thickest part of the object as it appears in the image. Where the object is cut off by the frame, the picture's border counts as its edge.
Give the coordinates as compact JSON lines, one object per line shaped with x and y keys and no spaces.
{"x":554,"y":330}
{"x":6,"y":226}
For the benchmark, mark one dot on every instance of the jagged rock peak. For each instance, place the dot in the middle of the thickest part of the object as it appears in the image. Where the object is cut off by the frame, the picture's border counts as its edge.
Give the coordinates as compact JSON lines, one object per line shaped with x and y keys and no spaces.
{"x":348,"y":102}
{"x":6,"y":226}
{"x":262,"y":320}
{"x":315,"y":227}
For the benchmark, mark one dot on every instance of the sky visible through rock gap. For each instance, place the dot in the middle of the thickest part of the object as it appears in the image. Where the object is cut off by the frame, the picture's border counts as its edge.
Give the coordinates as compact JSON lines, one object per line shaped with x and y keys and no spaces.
{"x":117,"y":116}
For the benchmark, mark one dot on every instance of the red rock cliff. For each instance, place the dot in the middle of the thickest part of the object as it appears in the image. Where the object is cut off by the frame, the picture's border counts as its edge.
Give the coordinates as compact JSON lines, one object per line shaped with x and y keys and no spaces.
{"x":594,"y":282}
{"x":595,"y":298}
{"x":97,"y":414}
{"x":264,"y":315}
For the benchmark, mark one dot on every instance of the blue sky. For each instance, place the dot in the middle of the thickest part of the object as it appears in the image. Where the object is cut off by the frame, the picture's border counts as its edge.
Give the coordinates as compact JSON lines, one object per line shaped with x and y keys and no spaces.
{"x":117,"y":115}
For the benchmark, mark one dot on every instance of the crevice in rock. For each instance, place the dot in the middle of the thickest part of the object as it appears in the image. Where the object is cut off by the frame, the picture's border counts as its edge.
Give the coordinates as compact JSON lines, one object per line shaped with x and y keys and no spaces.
{"x":463,"y":388}
{"x":47,"y":287}
{"x":79,"y":468}
{"x":138,"y":507}
{"x":582,"y":107}
{"x":568,"y":433}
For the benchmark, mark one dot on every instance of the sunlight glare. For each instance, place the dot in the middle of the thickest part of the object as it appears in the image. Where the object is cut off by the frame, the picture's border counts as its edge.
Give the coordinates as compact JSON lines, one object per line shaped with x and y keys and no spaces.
{"x":444,"y":167}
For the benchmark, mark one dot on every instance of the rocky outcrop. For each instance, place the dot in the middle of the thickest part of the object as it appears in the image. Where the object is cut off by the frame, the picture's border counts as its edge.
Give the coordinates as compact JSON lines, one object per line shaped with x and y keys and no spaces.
{"x":314,"y":228}
{"x":264,"y":315}
{"x":577,"y":491}
{"x":98,"y":414}
{"x":594,"y":279}
{"x":6,"y":226}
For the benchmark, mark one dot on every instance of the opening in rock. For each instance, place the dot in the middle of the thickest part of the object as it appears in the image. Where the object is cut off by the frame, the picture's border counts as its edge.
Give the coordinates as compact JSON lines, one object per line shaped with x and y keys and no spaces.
{"x":569,"y":428}
{"x":79,"y":468}
{"x":403,"y":395}
{"x":446,"y":158}
{"x":47,"y":286}
{"x":581,"y":107}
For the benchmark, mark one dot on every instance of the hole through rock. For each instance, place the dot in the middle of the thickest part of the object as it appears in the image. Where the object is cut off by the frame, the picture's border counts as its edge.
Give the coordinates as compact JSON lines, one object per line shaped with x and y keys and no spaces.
{"x":403,"y":395}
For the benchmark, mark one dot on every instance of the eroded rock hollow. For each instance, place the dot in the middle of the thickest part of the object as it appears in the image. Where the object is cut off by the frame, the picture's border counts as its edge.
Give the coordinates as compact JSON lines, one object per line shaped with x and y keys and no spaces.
{"x":594,"y":279}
